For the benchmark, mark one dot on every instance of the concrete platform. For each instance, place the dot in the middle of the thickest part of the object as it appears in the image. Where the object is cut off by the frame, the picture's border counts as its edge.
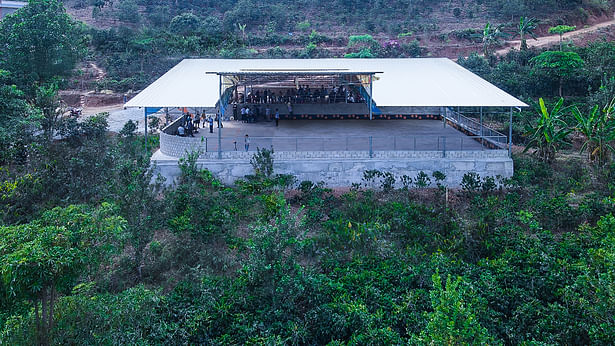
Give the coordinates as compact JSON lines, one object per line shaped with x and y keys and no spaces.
{"x":333,"y":135}
{"x":336,"y":152}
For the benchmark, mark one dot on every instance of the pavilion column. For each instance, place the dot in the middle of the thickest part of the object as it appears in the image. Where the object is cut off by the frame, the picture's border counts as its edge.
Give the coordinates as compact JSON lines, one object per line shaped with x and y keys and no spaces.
{"x":481,"y":124}
{"x":371,"y":96}
{"x":219,"y":119}
{"x":145,"y":127}
{"x":510,"y":133}
{"x":443,"y":116}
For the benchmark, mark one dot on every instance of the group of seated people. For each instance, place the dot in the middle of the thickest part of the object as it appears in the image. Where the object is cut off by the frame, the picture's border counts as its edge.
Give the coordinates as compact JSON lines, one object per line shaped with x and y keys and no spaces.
{"x":303,"y":94}
{"x":191,"y":123}
{"x":252,"y":114}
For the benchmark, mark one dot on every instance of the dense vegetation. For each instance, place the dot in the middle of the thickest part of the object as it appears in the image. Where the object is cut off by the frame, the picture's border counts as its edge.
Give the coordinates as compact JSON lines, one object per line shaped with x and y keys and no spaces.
{"x":94,"y":250}
{"x":148,"y":37}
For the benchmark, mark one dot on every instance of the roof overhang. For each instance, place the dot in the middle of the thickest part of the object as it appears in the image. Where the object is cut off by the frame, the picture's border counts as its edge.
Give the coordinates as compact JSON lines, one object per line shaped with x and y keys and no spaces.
{"x":293,"y":73}
{"x":420,"y":82}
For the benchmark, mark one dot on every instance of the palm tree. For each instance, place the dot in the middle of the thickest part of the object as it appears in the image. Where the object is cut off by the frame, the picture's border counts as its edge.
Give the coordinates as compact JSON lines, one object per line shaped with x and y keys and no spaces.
{"x":599,"y":130}
{"x":548,"y":133}
{"x":526,"y":27}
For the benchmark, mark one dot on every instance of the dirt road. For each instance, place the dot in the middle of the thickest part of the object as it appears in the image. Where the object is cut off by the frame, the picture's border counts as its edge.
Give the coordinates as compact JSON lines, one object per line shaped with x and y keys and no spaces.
{"x":118,"y":116}
{"x":554,"y":39}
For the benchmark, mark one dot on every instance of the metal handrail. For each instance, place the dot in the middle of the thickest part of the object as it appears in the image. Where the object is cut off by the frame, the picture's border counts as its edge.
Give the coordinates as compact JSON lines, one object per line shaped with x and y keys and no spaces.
{"x":476,"y":128}
{"x":369,"y":144}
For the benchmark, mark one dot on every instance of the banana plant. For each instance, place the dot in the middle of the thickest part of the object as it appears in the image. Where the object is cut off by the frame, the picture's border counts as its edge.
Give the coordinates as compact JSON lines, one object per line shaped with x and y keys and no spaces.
{"x":548,"y":133}
{"x":491,"y":35}
{"x":599,"y":131}
{"x":526,"y":27}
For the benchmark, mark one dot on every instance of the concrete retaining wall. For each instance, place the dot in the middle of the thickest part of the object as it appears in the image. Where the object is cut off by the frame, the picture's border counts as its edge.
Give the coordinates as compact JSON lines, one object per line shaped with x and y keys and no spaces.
{"x":342,"y":168}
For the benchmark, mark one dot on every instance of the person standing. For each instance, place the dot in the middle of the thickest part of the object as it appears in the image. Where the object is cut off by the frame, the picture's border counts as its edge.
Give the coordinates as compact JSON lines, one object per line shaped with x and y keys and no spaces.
{"x":268,"y":113}
{"x":219,"y":120}
{"x":190,"y":129}
{"x":277,"y":117}
{"x":257,"y":113}
{"x":290,"y":109}
{"x":247,"y":142}
{"x":211,"y":125}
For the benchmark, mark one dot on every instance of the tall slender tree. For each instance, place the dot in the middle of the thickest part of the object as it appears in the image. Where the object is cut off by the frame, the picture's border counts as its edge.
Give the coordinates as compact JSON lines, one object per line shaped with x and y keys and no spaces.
{"x":561,"y":30}
{"x":558,"y":64}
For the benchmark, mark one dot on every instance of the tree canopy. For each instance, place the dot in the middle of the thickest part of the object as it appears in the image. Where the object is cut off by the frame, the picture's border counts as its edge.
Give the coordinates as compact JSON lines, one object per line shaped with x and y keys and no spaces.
{"x":40,"y":42}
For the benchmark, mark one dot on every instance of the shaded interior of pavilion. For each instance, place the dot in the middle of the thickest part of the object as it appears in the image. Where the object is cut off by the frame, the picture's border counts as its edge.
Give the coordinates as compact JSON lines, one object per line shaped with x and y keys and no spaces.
{"x":297,"y":94}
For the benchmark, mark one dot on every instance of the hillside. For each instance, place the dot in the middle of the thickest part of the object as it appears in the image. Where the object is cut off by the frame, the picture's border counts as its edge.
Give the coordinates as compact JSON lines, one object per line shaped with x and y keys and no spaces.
{"x":166,"y":31}
{"x":95,"y":248}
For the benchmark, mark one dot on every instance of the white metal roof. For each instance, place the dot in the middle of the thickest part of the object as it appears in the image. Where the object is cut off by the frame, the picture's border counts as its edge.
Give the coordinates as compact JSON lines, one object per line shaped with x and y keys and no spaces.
{"x":403,"y":82}
{"x":12,"y":4}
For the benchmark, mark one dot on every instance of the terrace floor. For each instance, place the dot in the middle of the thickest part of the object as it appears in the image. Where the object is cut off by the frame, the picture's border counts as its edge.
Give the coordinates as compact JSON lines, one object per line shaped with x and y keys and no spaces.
{"x":340,"y":135}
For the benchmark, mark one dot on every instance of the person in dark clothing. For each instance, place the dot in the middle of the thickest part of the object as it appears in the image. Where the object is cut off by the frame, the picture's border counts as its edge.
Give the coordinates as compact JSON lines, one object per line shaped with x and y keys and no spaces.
{"x":211,"y":125}
{"x":277,"y":117}
{"x":190,"y":129}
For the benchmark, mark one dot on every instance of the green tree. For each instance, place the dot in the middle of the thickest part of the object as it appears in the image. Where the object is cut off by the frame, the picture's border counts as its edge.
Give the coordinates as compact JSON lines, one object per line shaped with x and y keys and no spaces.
{"x":137,"y":198}
{"x":526,"y":27}
{"x":558,"y":64}
{"x":453,"y":320}
{"x":46,"y":99}
{"x":548,"y":133}
{"x":598,"y":128}
{"x":561,"y":30}
{"x":362,"y":46}
{"x":185,"y":24}
{"x":591,"y":294}
{"x":18,"y":121}
{"x":47,"y":255}
{"x":40,"y":41}
{"x":128,"y":11}
{"x":491,"y":36}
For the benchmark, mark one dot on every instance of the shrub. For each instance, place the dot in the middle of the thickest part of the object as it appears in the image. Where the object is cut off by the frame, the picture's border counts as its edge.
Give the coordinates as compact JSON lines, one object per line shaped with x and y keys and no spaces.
{"x":470,"y":183}
{"x":406,"y":181}
{"x":422,"y":180}
{"x":388,"y":181}
{"x":262,"y":162}
{"x":303,"y":25}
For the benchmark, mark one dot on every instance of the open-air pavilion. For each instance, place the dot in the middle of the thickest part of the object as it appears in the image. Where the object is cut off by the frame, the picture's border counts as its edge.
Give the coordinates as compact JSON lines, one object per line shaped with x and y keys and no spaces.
{"x":332,"y":108}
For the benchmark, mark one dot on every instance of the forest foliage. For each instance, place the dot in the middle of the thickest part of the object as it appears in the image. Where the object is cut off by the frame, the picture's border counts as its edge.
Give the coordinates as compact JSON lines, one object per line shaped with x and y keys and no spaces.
{"x":94,"y":249}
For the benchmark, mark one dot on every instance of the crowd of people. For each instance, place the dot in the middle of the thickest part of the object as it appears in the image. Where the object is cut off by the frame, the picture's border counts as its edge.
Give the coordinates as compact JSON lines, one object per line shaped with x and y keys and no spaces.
{"x":191,"y":123}
{"x":302,"y":94}
{"x":251,"y":114}
{"x":257,"y":105}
